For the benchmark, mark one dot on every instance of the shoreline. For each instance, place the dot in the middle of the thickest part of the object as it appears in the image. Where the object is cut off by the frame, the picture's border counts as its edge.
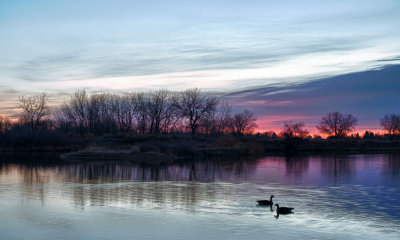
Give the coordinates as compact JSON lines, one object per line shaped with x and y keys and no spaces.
{"x":165,"y":149}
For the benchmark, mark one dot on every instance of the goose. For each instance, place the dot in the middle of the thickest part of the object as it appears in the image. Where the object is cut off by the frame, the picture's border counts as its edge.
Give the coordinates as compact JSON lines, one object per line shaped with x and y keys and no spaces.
{"x":283,"y":210}
{"x":266,"y":202}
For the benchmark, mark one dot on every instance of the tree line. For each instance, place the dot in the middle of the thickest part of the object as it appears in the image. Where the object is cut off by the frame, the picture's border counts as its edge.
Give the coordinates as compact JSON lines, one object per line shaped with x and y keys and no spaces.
{"x":339,"y":125}
{"x":155,"y":112}
{"x":162,"y":112}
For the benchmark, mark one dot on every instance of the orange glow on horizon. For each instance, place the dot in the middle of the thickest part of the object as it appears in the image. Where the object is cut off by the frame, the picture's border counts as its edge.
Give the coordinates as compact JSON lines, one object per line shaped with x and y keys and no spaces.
{"x":275,"y":123}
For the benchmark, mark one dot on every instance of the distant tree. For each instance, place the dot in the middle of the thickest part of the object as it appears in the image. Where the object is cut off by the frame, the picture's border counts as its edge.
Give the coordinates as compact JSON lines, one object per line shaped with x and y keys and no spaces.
{"x":368,"y":135}
{"x":294,"y":129}
{"x":270,"y":134}
{"x":5,"y":124}
{"x":244,"y":122}
{"x":316,"y":136}
{"x":35,"y":109}
{"x":337,"y":124}
{"x":391,"y":123}
{"x":357,"y":136}
{"x":195,"y":106}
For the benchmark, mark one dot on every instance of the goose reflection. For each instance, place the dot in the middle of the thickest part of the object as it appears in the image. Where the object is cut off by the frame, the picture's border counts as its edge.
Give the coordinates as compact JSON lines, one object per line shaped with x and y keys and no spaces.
{"x":266,"y":206}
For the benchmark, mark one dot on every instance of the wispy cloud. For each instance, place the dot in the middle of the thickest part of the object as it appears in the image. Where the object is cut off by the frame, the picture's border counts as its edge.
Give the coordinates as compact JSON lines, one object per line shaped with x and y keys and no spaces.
{"x":211,"y":45}
{"x":277,"y":47}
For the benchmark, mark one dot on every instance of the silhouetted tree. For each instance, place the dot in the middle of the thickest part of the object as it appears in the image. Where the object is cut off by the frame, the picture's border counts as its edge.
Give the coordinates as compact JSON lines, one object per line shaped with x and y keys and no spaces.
{"x":79,"y":109}
{"x":223,"y":117}
{"x":35,"y":109}
{"x":194,"y":106}
{"x":294,"y":129}
{"x":244,"y":122}
{"x":337,"y":124}
{"x":391,"y":123}
{"x":368,"y":135}
{"x":160,"y":110}
{"x":217,"y":121}
{"x":62,"y":118}
{"x":136,"y":112}
{"x":270,"y":134}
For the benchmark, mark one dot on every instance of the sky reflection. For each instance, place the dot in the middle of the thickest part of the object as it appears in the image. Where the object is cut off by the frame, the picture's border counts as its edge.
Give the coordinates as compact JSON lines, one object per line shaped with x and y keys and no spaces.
{"x":359,"y":195}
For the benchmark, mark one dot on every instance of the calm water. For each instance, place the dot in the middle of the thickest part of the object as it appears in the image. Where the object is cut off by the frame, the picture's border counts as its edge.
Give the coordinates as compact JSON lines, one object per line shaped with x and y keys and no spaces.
{"x":335,"y":197}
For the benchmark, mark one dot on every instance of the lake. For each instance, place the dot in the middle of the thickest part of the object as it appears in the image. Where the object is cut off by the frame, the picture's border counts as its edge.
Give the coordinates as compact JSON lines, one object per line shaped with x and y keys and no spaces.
{"x":335,"y":197}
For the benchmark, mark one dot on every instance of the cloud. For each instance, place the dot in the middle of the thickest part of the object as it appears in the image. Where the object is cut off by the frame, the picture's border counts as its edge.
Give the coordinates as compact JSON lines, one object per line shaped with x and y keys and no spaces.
{"x":368,"y":95}
{"x":224,"y":46}
{"x":250,"y":44}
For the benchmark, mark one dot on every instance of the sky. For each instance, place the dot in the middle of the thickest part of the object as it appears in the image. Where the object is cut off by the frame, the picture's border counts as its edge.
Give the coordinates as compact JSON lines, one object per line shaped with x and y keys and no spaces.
{"x":226,"y":47}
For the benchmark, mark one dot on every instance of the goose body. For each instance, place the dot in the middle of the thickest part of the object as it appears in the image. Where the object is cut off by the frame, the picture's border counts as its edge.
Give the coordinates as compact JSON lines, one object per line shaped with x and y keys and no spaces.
{"x":283,"y":210}
{"x":266,"y":202}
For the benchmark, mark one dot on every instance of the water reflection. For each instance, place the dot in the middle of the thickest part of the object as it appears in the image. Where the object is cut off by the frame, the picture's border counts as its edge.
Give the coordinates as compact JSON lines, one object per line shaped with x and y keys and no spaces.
{"x":353,"y":190}
{"x":37,"y":170}
{"x":391,"y":166}
{"x":203,"y":171}
{"x":338,"y":168}
{"x":296,"y":166}
{"x":319,"y":170}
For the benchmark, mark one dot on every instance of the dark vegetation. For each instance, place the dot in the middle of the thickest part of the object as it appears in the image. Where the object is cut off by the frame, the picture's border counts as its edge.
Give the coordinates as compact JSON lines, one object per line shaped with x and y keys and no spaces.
{"x":163,"y":124}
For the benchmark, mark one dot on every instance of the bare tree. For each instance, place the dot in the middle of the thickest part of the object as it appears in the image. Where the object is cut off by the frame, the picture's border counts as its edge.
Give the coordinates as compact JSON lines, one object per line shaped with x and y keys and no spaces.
{"x":194,"y":106}
{"x":223,"y":117}
{"x":152,"y":112}
{"x":171,"y":119}
{"x":243,"y":122}
{"x":35,"y":109}
{"x":123,"y":109}
{"x":294,"y":129}
{"x":218,"y":121}
{"x":129,"y":108}
{"x":63,"y":118}
{"x":79,"y":109}
{"x":207,"y":124}
{"x":142,"y":113}
{"x":391,"y":123}
{"x":337,"y":124}
{"x":159,"y":110}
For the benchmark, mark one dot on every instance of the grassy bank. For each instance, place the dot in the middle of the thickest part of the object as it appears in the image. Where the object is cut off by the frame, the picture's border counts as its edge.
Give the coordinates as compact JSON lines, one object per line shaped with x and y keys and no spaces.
{"x":184,"y":146}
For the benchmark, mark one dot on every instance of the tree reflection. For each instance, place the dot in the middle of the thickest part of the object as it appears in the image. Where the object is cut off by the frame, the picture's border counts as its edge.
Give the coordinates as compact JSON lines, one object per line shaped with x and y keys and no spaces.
{"x":338,"y":167}
{"x":110,"y":183}
{"x":202,"y":171}
{"x":391,"y":165}
{"x":178,"y":185}
{"x":296,"y":166}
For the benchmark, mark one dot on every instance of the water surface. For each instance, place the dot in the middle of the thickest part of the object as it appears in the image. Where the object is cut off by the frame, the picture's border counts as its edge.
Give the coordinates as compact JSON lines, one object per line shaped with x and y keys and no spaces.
{"x":335,"y":197}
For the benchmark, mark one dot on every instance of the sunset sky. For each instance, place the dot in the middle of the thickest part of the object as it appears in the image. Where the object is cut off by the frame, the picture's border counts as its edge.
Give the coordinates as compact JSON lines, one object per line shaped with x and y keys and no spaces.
{"x":285,"y":60}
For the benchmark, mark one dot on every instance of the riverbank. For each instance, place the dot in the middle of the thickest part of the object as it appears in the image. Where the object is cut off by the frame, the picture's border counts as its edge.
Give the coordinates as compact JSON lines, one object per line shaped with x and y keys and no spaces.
{"x":165,"y":148}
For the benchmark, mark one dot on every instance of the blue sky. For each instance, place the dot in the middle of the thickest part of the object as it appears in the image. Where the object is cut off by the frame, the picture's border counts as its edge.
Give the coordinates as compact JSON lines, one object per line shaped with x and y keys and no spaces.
{"x":59,"y":46}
